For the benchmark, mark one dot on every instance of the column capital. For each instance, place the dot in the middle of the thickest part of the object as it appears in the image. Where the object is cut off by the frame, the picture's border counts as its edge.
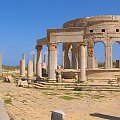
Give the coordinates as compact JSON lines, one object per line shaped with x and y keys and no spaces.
{"x":82,"y":44}
{"x":52,"y":46}
{"x":39,"y":47}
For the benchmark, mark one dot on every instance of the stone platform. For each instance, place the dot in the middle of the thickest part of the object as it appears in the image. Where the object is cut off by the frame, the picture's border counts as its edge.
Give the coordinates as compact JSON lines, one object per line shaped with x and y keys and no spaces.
{"x":77,"y":86}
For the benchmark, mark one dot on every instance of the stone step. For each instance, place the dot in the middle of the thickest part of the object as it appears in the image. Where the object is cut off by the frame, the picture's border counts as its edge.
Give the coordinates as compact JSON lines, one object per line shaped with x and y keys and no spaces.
{"x":73,"y":84}
{"x":52,"y":88}
{"x":80,"y":87}
{"x":85,"y":89}
{"x":100,"y":78}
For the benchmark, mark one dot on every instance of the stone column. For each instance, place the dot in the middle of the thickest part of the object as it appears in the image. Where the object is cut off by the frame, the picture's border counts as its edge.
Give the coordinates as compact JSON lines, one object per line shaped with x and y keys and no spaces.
{"x":86,"y":55}
{"x":45,"y":62}
{"x":34,"y":63}
{"x":63,"y":55}
{"x":108,"y":57}
{"x":0,"y":63}
{"x":117,"y":63}
{"x":23,"y":56}
{"x":44,"y":66}
{"x":82,"y":62}
{"x":30,"y":69}
{"x":66,"y":56}
{"x":22,"y":66}
{"x":74,"y":56}
{"x":96,"y":63}
{"x":52,"y":61}
{"x":79,"y":57}
{"x":39,"y":61}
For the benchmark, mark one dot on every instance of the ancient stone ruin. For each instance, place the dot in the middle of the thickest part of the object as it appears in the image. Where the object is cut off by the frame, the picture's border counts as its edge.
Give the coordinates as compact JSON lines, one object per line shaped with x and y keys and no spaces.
{"x":79,"y":36}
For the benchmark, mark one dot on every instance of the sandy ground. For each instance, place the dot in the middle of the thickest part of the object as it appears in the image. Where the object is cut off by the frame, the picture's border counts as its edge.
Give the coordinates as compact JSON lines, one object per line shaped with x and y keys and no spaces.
{"x":33,"y":104}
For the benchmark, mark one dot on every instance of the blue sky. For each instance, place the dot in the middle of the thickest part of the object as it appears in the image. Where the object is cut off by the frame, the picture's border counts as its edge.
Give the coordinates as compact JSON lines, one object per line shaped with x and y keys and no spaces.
{"x":22,"y":22}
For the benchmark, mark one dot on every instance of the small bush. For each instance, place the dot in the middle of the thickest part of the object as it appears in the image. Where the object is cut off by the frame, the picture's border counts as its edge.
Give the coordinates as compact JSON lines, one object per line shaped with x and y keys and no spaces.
{"x":67,"y":97}
{"x":8,"y":100}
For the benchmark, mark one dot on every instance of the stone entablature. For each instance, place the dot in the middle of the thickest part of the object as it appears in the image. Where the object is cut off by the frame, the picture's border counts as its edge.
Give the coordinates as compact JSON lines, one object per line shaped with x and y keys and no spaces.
{"x":88,"y":21}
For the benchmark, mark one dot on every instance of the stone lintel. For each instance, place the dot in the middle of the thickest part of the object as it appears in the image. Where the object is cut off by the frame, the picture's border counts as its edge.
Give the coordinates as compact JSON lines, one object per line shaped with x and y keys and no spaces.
{"x":63,"y":34}
{"x":72,"y":29}
{"x":42,"y":41}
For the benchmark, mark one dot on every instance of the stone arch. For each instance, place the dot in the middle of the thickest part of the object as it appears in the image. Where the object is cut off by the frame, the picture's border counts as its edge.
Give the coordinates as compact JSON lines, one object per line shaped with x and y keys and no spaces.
{"x":115,"y":54}
{"x":99,"y":54}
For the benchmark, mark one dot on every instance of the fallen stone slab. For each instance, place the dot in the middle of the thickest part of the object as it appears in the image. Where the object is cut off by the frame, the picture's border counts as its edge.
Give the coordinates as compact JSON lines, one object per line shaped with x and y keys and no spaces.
{"x":3,"y":113}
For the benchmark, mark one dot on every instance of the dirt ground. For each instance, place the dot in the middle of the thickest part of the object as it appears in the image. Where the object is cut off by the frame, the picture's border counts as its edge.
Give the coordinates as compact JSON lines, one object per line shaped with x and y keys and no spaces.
{"x":34,"y":104}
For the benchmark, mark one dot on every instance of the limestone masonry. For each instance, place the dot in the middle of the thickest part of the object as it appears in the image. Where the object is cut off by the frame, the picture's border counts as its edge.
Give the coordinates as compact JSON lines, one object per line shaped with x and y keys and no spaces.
{"x":80,"y":36}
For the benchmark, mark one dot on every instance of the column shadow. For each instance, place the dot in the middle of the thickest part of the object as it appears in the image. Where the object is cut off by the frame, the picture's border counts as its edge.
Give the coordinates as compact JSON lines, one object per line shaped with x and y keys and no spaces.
{"x":108,"y":117}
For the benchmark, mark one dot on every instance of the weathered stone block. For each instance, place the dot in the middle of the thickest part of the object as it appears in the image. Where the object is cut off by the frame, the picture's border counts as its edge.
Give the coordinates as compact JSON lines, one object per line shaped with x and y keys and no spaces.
{"x":58,"y":115}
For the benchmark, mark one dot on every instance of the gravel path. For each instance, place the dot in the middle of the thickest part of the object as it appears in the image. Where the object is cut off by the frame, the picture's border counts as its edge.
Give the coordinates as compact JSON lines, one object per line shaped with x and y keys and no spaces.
{"x":33,"y":104}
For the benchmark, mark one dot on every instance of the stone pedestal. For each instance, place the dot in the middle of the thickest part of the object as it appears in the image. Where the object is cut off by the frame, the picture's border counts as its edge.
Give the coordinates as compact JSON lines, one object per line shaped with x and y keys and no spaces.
{"x":52,"y":61}
{"x":39,"y":61}
{"x":30,"y":69}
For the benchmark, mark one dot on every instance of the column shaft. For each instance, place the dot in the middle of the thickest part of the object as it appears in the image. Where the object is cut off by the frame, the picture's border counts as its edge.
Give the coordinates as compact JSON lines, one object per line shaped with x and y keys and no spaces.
{"x":74,"y":58}
{"x":108,"y":57}
{"x":34,"y":63}
{"x":82,"y":63}
{"x":39,"y":61}
{"x":52,"y":61}
{"x":30,"y":69}
{"x":66,"y":56}
{"x":22,"y":67}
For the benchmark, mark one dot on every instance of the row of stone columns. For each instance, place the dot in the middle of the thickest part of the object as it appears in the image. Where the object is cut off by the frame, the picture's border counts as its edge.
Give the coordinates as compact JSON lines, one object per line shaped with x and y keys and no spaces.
{"x":30,"y":67}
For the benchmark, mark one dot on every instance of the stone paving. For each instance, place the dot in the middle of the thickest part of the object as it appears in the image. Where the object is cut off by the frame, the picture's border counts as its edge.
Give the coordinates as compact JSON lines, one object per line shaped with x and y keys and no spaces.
{"x":35,"y":104}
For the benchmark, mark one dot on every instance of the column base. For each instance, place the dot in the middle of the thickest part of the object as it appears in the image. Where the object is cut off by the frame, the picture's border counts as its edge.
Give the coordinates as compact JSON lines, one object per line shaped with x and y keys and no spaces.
{"x":82,"y":81}
{"x":38,"y":77}
{"x":22,"y":76}
{"x":51,"y":80}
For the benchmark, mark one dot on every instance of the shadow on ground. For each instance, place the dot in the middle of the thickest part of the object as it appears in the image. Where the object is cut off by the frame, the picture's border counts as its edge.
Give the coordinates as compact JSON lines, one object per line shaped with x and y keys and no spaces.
{"x":108,"y":117}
